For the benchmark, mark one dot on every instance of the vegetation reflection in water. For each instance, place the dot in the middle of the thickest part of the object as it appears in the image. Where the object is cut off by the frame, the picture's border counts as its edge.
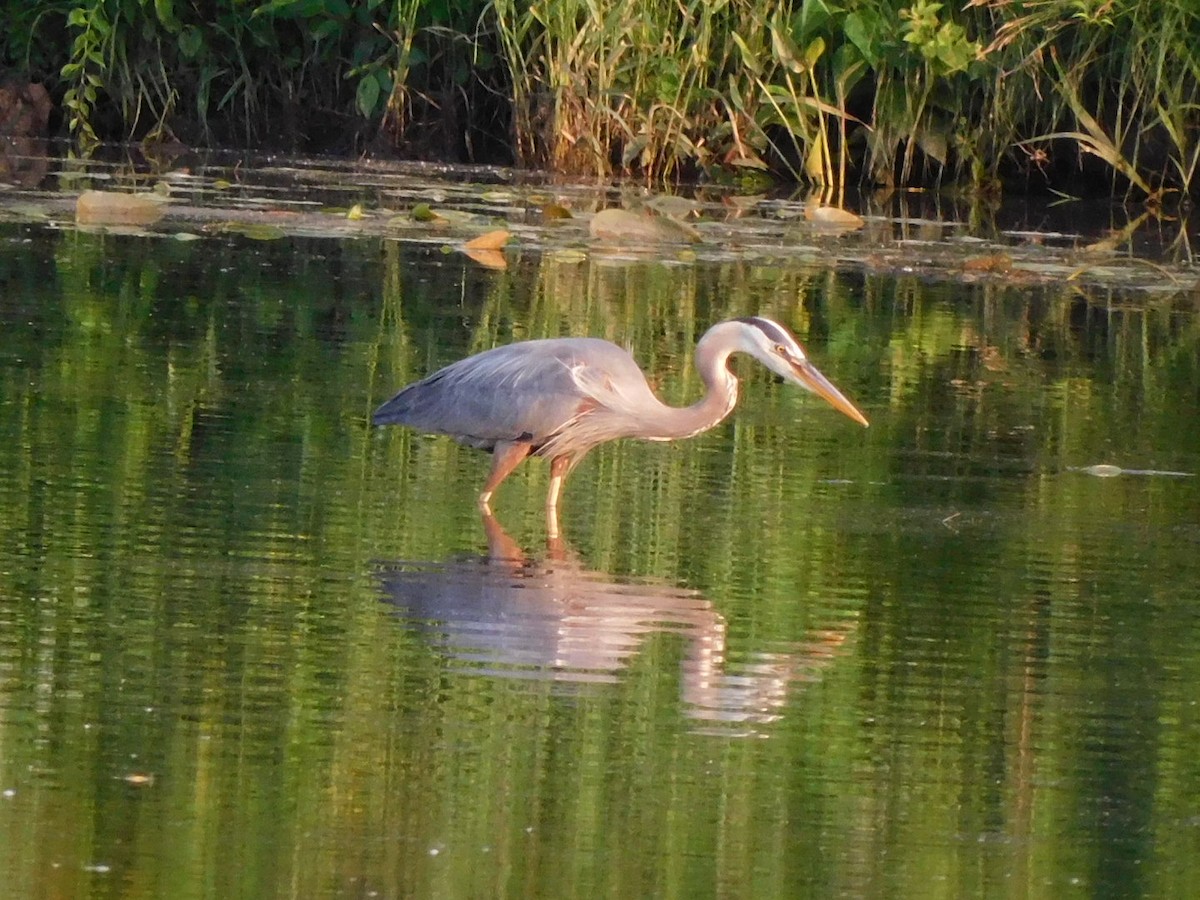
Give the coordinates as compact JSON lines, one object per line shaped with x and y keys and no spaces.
{"x":208,"y":689}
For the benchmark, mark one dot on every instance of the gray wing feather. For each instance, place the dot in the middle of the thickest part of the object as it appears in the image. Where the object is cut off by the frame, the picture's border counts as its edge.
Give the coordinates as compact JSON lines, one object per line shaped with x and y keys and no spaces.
{"x":524,"y":391}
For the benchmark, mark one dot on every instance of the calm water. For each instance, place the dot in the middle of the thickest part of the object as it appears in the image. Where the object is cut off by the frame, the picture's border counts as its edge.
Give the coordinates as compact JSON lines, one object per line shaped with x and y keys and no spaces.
{"x":250,"y":647}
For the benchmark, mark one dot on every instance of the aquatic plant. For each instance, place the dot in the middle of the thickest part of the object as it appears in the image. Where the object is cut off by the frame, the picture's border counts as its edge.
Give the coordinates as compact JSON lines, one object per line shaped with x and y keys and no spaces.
{"x":294,"y":74}
{"x":888,"y":92}
{"x":896,"y":92}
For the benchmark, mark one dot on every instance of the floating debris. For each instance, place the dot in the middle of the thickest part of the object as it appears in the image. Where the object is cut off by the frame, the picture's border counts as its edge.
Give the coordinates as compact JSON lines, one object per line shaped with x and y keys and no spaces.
{"x":423,"y":213}
{"x":633,"y":229}
{"x":1104,"y":470}
{"x":991,"y":264}
{"x":493,"y":240}
{"x":115,"y":208}
{"x":489,"y":259}
{"x":833,"y":217}
{"x":256,"y":231}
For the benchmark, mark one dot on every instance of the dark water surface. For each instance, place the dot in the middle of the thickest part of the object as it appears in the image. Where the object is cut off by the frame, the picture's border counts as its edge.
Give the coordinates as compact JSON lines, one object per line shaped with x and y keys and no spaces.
{"x":250,"y":647}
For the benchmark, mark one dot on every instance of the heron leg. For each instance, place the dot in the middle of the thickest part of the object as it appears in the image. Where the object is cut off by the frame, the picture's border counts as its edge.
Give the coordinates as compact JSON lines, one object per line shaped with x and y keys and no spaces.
{"x":559,"y":467}
{"x":506,"y":456}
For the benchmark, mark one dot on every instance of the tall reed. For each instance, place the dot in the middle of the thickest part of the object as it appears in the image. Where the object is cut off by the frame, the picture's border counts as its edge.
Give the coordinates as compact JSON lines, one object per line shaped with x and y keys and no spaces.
{"x":896,"y":91}
{"x":660,"y":86}
{"x":883,"y":91}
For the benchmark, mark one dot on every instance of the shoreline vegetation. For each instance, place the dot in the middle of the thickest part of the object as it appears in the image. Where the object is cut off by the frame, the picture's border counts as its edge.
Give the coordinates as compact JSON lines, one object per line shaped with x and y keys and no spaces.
{"x":1063,"y":96}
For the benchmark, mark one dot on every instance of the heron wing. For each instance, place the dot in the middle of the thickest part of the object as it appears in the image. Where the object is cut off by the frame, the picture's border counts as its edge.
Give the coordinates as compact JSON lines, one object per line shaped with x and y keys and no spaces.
{"x":528,"y":391}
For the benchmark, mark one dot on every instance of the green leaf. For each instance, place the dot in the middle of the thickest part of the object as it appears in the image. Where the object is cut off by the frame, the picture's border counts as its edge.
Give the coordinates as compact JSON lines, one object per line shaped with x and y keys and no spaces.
{"x":191,"y":42}
{"x":748,"y":58}
{"x":165,"y":10}
{"x":368,"y":95}
{"x":292,"y":9}
{"x":325,"y":28}
{"x":813,"y":52}
{"x":634,"y":149}
{"x":863,"y":36}
{"x":786,"y":52}
{"x":848,"y":66}
{"x":256,"y":231}
{"x":814,"y":17}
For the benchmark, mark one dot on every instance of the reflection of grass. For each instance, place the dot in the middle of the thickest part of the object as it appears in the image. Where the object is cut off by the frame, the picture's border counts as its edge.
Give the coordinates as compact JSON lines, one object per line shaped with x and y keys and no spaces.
{"x":191,"y":503}
{"x":292,"y":365}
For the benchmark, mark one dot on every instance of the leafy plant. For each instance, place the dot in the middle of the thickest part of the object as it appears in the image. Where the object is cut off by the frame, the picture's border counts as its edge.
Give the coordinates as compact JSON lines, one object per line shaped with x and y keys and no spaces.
{"x":893,"y":91}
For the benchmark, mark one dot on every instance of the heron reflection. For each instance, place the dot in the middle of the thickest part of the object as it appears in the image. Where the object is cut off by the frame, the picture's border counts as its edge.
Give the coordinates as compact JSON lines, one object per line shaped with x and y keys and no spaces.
{"x":511,"y":615}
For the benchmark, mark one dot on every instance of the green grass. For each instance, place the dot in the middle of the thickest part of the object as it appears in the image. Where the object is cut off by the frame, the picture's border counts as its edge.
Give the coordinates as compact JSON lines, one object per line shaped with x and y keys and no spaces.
{"x":880,"y":92}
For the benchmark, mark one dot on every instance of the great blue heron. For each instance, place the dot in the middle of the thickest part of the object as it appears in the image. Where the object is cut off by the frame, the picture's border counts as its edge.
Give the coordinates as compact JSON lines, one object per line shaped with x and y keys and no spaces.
{"x":559,"y":398}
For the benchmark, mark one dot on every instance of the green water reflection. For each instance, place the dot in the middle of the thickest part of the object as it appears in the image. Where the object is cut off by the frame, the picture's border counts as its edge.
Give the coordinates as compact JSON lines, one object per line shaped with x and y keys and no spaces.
{"x":787,"y":658}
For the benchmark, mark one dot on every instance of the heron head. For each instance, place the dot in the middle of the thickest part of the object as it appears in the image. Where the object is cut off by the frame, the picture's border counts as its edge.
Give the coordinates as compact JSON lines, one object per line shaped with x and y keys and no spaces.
{"x":771,"y":343}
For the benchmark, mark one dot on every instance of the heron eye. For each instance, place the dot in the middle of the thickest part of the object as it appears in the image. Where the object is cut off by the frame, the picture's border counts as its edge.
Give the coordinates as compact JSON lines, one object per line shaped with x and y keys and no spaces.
{"x":782,"y":350}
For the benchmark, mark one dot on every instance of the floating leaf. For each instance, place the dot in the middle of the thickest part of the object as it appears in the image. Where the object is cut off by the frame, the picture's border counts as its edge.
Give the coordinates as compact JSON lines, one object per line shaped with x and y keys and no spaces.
{"x":492,"y":259}
{"x":28,"y":210}
{"x":569,"y":256}
{"x":256,"y":231}
{"x":355,"y":213}
{"x":422,"y":213}
{"x":673,"y":205}
{"x":493,"y":240}
{"x":994,"y":263}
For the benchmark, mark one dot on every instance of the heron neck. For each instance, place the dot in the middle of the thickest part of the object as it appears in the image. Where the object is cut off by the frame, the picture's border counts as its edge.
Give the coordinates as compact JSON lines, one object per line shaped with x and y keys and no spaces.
{"x":720,"y":394}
